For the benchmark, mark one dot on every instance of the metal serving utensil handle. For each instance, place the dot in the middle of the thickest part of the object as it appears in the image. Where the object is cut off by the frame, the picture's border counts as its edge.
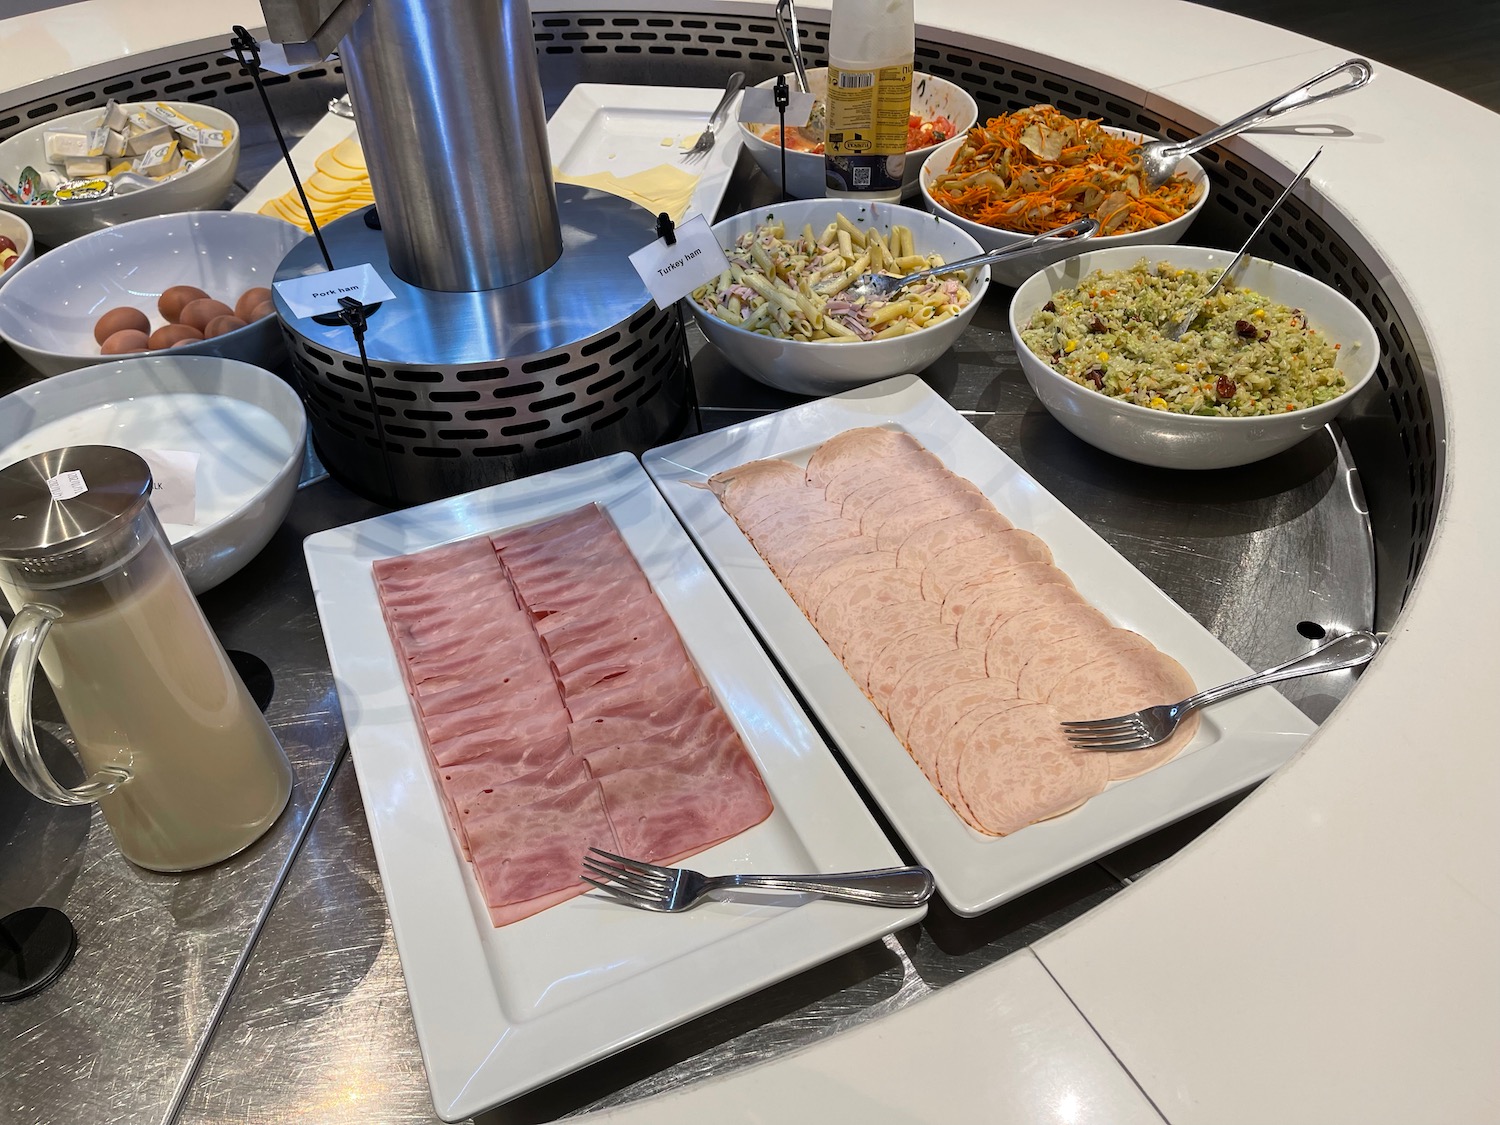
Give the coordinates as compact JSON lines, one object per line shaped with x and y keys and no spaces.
{"x":786,"y":13}
{"x":1347,"y":651}
{"x":1359,"y":71}
{"x":731,"y":88}
{"x":888,"y":886}
{"x":1076,"y":230}
{"x":1187,"y":318}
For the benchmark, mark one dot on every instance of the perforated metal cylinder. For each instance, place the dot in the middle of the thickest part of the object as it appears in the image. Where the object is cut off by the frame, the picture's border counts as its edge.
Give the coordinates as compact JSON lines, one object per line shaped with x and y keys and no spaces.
{"x":478,"y":388}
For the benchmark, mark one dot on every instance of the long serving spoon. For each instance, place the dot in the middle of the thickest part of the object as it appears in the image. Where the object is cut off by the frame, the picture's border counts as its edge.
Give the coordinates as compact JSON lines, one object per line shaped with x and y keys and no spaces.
{"x":1176,"y":331}
{"x":1160,"y":157}
{"x":879,"y":286}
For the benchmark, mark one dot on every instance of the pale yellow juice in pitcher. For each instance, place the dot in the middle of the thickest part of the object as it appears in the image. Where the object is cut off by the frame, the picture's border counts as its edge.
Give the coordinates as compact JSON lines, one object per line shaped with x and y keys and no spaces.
{"x":144,"y":684}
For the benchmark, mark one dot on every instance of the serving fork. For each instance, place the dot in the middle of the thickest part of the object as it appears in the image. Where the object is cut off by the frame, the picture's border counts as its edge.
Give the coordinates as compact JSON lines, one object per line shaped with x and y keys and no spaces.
{"x":647,"y":886}
{"x":706,"y":139}
{"x":880,"y":286}
{"x":1152,"y":725}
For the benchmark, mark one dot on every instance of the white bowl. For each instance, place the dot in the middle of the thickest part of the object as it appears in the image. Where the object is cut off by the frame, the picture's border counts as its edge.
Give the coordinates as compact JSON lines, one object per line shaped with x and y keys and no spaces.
{"x":1185,"y":441}
{"x":930,"y":97}
{"x":819,"y":368}
{"x":1017,"y":270}
{"x":49,"y":318}
{"x":18,"y":232}
{"x":205,"y":186}
{"x":246,"y":425}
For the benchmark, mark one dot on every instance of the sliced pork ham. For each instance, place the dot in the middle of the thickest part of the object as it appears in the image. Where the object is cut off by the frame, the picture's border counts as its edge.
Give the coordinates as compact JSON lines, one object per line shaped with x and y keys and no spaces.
{"x":898,"y":526}
{"x":555,"y":666}
{"x":665,"y":812}
{"x":526,"y":858}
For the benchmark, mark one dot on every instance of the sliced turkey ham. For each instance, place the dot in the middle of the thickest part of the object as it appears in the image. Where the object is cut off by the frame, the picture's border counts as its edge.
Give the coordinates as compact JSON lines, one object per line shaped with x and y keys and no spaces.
{"x":954,"y":622}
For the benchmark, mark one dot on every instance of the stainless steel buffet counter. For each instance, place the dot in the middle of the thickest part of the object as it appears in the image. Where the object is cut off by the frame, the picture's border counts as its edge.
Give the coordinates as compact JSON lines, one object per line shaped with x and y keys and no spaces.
{"x":269,"y":989}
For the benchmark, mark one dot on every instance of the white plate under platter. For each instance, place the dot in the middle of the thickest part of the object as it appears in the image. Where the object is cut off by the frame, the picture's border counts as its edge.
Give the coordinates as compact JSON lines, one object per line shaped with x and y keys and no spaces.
{"x":500,"y":1011}
{"x":1239,"y":743}
{"x":620,"y":129}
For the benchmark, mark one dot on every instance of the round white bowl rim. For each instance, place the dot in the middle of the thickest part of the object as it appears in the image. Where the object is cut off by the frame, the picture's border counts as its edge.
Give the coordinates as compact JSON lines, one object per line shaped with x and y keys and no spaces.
{"x":925,"y":151}
{"x":57,"y":259}
{"x":246,"y":374}
{"x":929,"y":171}
{"x":86,"y":205}
{"x":1164,"y":250}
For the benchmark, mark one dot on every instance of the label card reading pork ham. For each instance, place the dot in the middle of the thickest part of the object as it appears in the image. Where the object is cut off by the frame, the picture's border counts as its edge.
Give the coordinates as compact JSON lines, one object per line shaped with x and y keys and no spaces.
{"x":672,"y":272}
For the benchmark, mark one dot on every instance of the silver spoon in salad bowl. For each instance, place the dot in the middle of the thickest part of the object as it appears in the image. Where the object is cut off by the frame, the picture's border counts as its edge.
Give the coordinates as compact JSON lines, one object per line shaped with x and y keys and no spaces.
{"x":1185,"y":321}
{"x":1160,"y":158}
{"x":880,"y":286}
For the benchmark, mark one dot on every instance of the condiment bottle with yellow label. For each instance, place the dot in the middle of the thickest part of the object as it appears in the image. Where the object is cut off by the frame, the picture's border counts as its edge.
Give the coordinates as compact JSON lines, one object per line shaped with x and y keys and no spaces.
{"x":870,"y":50}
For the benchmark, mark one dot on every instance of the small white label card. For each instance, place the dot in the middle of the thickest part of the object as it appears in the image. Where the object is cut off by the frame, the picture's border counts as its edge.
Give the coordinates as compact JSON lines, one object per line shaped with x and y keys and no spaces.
{"x":174,"y":484}
{"x":318,"y":293}
{"x":758,"y":107}
{"x":67,"y":485}
{"x":672,"y":272}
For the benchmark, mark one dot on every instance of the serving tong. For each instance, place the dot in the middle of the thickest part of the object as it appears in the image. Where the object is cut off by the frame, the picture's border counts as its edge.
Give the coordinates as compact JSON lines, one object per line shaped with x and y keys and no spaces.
{"x":1160,"y":158}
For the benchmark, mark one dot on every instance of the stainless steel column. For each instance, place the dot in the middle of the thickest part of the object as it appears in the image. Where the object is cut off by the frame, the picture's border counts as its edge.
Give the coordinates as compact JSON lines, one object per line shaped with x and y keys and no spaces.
{"x":450,"y":115}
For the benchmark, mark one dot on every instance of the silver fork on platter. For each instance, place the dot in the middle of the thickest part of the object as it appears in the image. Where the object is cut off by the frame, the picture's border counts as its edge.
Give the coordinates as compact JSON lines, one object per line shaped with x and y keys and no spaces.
{"x":670,"y":889}
{"x":1152,"y":725}
{"x":706,"y":138}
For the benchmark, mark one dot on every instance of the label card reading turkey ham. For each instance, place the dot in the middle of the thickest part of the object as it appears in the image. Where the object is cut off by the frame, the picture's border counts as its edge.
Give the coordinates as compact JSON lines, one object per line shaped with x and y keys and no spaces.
{"x":319,"y":293}
{"x":672,"y":272}
{"x":758,"y":107}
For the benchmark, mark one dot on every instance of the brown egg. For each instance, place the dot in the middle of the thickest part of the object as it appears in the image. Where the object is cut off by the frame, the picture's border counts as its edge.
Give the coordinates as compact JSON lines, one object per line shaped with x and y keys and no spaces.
{"x":170,"y":335}
{"x":125,"y":340}
{"x":250,"y":300}
{"x":222,"y":324}
{"x":197,"y":314}
{"x":267,"y":309}
{"x":170,"y":303}
{"x":117,"y":319}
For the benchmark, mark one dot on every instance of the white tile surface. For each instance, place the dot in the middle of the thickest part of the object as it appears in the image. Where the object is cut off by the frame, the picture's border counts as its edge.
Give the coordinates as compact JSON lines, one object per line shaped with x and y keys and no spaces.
{"x":1011,"y":1050}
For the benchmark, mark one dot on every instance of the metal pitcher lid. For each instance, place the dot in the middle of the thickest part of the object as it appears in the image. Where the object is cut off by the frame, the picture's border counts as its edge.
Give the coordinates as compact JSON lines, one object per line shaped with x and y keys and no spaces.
{"x":70,"y":502}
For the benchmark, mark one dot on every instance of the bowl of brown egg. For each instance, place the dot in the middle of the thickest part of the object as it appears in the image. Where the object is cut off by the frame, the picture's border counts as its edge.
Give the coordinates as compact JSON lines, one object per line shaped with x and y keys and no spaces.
{"x":196,"y":283}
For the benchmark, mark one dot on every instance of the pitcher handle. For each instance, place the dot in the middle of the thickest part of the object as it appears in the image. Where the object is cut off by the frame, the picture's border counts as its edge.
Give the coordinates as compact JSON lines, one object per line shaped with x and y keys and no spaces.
{"x":19,"y":653}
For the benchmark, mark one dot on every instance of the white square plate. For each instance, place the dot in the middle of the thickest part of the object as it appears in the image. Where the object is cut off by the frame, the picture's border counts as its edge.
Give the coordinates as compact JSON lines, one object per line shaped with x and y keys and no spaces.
{"x":620,"y":129}
{"x":1239,"y":742}
{"x":500,"y":1011}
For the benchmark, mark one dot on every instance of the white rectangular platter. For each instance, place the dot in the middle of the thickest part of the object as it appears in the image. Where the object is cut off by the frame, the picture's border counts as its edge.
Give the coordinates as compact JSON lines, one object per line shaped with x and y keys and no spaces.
{"x":621,"y":129}
{"x":1239,"y":743}
{"x":500,"y":1011}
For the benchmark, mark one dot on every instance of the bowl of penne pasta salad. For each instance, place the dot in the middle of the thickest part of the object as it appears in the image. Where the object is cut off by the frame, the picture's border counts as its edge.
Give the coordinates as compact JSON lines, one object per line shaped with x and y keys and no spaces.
{"x":788,"y":311}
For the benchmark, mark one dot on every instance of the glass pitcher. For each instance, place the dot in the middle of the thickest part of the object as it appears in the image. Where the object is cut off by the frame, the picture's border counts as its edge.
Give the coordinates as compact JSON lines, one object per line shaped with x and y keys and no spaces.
{"x":182,"y":763}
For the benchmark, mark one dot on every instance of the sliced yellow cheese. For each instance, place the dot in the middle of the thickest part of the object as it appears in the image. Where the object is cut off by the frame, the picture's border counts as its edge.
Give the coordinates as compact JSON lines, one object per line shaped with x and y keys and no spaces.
{"x":663,"y":188}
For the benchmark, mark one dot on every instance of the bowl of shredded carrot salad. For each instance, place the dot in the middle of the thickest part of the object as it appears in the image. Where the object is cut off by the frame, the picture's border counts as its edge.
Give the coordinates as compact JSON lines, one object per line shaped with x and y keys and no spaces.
{"x":1033,"y":170}
{"x":940,"y":111}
